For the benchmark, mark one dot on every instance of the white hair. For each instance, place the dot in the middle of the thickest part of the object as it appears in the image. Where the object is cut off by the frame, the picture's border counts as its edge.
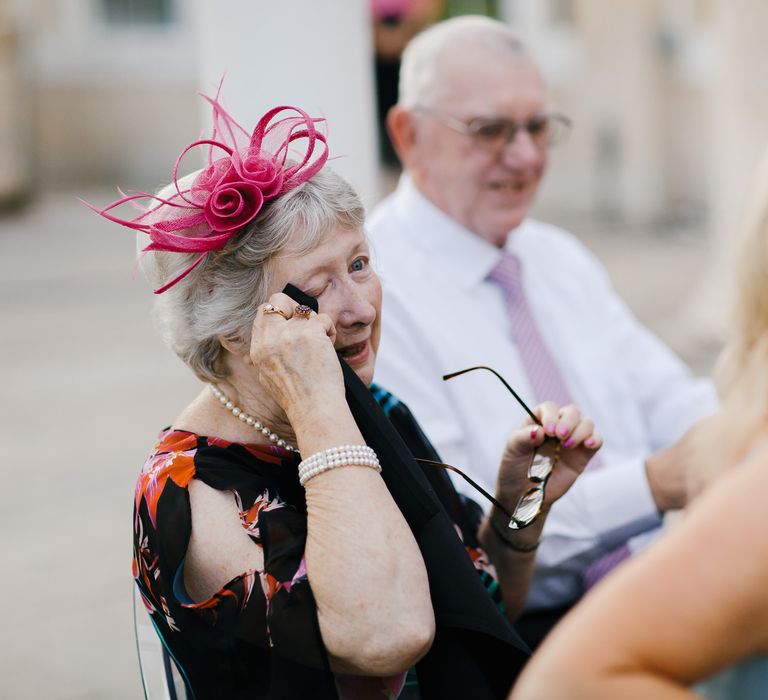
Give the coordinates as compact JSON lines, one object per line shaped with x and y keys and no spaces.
{"x":420,"y":79}
{"x":220,"y":297}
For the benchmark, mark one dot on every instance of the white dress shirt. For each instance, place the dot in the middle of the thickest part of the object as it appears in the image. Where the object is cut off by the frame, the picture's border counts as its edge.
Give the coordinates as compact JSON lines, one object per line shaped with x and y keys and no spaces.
{"x":440,"y":314}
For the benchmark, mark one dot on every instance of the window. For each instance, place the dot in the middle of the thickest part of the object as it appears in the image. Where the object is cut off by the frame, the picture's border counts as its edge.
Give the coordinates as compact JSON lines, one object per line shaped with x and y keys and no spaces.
{"x":137,"y":12}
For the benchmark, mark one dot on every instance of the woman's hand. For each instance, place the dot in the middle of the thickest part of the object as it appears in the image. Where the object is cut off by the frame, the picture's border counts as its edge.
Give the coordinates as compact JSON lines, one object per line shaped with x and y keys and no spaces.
{"x":564,"y":434}
{"x":294,"y":354}
{"x":564,"y":431}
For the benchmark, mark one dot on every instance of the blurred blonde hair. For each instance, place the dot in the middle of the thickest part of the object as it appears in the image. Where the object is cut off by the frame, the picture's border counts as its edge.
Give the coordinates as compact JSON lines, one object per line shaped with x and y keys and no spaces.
{"x":742,"y":370}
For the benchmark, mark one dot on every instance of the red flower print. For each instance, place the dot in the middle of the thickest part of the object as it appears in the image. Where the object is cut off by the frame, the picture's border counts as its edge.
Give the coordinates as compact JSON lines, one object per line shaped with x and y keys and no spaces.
{"x":177,"y":464}
{"x":250,"y":518}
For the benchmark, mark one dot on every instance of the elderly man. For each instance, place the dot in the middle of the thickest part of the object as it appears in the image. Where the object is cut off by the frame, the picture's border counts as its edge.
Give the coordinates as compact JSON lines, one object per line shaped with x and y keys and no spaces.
{"x":471,"y":280}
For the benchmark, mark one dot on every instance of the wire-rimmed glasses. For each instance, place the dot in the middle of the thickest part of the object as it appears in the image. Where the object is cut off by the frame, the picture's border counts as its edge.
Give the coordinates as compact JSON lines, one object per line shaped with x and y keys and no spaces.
{"x":540,"y":468}
{"x":493,"y":133}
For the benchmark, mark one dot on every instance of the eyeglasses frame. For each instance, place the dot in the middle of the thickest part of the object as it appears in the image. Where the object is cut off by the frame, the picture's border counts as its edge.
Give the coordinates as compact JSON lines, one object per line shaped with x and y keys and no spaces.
{"x":539,"y":480}
{"x":466,"y":128}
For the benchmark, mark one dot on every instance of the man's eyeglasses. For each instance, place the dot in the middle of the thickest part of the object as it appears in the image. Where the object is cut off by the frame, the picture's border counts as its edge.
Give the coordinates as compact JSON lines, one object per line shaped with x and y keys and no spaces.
{"x":540,"y":467}
{"x":495,"y":133}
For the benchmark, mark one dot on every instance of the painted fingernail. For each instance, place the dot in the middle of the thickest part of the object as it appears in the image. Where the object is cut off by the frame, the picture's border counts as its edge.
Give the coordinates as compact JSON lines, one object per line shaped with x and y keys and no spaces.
{"x":550,"y":427}
{"x":589,"y":442}
{"x":563,"y":430}
{"x":534,"y":432}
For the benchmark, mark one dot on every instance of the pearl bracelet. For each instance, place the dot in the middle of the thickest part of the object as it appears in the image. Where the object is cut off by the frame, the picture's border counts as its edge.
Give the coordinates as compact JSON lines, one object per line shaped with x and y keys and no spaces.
{"x":341,"y":456}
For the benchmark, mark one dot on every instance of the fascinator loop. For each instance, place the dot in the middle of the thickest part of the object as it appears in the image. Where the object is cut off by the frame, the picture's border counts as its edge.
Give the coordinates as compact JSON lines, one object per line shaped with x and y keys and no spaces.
{"x":244,"y":172}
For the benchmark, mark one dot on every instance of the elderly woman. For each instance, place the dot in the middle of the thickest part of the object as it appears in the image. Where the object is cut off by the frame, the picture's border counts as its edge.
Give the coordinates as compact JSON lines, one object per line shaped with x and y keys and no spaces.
{"x":277,"y":555}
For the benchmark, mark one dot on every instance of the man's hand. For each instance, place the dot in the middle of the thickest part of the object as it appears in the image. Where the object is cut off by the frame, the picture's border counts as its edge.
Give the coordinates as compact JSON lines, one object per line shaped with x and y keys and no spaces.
{"x":667,"y":470}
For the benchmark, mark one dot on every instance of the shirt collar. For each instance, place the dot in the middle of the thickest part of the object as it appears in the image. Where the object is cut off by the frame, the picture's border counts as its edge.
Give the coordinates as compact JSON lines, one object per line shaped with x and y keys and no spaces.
{"x":469,"y":258}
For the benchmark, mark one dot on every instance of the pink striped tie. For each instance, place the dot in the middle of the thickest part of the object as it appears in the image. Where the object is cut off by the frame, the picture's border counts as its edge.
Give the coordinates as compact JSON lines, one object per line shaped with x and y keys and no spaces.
{"x":543,"y":375}
{"x":542,"y":372}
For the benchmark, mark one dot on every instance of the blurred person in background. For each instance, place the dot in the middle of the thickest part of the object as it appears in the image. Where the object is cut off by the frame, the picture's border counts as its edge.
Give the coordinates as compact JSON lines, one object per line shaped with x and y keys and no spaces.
{"x":693,"y":607}
{"x":277,"y":554}
{"x":470,"y":279}
{"x":395,"y":23}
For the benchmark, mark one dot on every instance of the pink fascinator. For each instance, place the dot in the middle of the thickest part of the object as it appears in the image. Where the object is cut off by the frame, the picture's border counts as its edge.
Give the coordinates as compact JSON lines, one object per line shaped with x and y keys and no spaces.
{"x":244,"y":172}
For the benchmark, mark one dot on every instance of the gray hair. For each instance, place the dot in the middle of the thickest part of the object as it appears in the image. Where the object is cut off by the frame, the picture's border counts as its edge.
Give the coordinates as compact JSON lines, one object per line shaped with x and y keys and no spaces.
{"x":420,"y":79}
{"x":220,"y":297}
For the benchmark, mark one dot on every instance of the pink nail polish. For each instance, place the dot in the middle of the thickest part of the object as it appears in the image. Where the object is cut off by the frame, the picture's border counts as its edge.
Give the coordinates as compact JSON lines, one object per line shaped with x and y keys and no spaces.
{"x":534,"y":432}
{"x":590,"y":442}
{"x":563,"y":430}
{"x":569,"y":443}
{"x":550,"y":427}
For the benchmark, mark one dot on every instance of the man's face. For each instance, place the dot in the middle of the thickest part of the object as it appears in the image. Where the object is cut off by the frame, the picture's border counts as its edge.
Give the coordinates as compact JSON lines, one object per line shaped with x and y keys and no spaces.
{"x":487,"y":191}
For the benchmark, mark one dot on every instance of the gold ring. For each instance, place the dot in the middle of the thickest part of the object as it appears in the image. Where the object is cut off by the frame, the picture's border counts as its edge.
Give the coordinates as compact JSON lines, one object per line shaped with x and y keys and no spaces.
{"x":269,"y":309}
{"x":302,"y":311}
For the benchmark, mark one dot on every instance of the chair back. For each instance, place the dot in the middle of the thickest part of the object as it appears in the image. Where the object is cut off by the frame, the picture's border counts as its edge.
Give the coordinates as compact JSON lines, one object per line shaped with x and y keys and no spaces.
{"x":160,"y":677}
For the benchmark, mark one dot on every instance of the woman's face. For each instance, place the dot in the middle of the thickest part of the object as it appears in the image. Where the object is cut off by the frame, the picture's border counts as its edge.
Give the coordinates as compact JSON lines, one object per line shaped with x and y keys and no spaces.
{"x":339,"y":275}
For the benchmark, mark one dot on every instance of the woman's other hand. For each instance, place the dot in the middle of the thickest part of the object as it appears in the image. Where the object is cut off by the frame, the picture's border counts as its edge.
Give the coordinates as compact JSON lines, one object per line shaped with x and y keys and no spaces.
{"x":564,"y":431}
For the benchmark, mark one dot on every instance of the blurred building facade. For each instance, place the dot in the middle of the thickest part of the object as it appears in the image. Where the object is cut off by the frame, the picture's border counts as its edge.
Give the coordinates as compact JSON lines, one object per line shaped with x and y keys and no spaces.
{"x":107,"y":87}
{"x":667,"y":96}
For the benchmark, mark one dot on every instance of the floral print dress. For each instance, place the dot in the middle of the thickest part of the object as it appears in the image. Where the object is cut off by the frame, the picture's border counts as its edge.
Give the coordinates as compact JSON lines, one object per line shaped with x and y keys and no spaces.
{"x":258,"y":636}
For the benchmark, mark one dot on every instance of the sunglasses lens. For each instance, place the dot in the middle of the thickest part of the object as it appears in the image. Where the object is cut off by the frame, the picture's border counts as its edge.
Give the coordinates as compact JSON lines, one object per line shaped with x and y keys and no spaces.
{"x":527,"y":509}
{"x":541,"y":467}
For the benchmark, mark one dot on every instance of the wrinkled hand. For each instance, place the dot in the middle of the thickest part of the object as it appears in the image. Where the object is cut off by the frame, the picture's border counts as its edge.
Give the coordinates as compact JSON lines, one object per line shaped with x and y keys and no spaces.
{"x":562,"y":426}
{"x":294,"y":355}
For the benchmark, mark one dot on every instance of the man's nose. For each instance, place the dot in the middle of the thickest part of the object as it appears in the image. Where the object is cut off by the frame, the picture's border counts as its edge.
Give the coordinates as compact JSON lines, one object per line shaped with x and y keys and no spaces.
{"x":522,"y":149}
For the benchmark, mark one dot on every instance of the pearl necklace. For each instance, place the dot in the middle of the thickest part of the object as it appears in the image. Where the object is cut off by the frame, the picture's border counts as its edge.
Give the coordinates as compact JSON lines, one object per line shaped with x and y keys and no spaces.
{"x":249,"y":419}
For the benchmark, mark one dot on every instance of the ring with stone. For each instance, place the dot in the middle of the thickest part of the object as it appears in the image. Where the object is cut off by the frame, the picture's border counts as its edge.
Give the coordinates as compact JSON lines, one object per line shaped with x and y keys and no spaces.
{"x":302,"y":311}
{"x":269,"y":309}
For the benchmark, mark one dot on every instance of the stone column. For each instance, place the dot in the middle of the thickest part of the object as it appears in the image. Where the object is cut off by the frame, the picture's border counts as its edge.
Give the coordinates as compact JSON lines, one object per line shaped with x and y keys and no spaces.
{"x":736,"y":144}
{"x":311,"y":54}
{"x":621,"y":86}
{"x":739,"y":109}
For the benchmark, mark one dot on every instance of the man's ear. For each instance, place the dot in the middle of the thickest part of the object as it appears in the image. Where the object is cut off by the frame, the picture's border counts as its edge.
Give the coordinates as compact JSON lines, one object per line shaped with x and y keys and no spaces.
{"x":401,"y":126}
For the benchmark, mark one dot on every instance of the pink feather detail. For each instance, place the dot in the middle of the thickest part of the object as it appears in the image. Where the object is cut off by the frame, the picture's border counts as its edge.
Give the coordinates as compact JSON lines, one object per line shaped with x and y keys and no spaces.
{"x":226,"y":195}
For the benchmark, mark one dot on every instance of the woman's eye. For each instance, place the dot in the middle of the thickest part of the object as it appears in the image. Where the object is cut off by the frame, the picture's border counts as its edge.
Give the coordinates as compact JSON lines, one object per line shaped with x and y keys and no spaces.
{"x":358,"y":265}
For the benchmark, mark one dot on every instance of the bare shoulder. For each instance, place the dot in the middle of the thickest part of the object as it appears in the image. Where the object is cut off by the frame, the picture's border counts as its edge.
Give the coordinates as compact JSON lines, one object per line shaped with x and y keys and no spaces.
{"x":724,"y":538}
{"x":219,"y":547}
{"x":692,"y":604}
{"x":738,"y":496}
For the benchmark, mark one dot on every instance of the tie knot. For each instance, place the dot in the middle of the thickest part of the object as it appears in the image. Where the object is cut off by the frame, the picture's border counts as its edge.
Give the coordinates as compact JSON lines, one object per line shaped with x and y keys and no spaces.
{"x":507,"y":275}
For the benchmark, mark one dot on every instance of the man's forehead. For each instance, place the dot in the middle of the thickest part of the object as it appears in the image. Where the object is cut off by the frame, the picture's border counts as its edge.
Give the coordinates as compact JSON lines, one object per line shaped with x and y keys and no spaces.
{"x":487,"y":83}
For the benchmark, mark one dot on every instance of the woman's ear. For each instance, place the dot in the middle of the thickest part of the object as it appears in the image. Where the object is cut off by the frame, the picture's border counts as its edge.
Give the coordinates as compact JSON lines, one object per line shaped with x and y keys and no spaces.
{"x":231,"y":346}
{"x":402,"y":132}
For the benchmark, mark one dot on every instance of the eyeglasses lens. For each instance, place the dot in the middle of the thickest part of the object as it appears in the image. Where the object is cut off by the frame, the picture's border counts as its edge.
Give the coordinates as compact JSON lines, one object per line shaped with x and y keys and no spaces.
{"x":527,"y":508}
{"x":496,"y":133}
{"x":540,"y":468}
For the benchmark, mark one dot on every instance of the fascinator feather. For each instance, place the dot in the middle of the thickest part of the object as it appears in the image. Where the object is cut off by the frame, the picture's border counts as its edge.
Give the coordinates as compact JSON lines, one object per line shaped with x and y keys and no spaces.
{"x":244,"y":172}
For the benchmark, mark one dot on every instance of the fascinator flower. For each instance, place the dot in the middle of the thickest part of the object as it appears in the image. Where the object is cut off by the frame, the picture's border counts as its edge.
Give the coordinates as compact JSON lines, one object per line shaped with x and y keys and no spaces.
{"x":244,"y":171}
